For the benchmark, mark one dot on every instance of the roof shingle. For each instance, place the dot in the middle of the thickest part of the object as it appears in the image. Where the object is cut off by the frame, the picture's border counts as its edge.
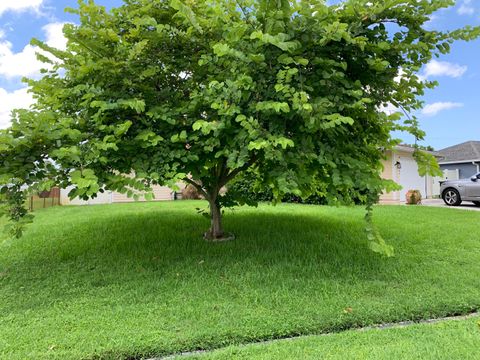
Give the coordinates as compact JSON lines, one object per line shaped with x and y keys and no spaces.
{"x":469,"y":150}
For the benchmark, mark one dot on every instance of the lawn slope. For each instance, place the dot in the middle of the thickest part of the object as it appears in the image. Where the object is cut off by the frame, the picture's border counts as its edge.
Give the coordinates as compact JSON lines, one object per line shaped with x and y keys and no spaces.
{"x":117,"y":281}
{"x":450,"y":340}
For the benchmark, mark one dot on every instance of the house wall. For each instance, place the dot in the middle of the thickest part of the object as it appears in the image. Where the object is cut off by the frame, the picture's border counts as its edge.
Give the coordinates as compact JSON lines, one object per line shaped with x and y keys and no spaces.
{"x":109,"y":197}
{"x":102,"y":198}
{"x":465,"y":170}
{"x":160,"y":193}
{"x":407,"y":176}
{"x":388,"y":173}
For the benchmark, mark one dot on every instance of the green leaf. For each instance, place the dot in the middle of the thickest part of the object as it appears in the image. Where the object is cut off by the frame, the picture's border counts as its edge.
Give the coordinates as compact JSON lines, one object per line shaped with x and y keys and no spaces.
{"x":199,"y":124}
{"x":123,"y":128}
{"x":183,"y":135}
{"x":277,"y":107}
{"x":221,"y":49}
{"x":136,"y":104}
{"x":148,"y":138}
{"x":186,"y":12}
{"x":284,"y":142}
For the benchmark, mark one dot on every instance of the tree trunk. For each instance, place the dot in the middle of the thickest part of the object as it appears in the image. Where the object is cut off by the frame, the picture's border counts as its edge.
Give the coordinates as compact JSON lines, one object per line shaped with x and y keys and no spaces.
{"x":216,"y":228}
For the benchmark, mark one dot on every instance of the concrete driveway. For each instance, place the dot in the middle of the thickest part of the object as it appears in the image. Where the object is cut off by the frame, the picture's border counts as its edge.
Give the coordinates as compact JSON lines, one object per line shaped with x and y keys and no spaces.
{"x":466,"y":205}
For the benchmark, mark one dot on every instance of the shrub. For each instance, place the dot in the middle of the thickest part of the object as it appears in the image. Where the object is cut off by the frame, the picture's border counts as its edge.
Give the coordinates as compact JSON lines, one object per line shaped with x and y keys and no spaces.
{"x":190,"y":192}
{"x":250,"y":191}
{"x":413,"y":197}
{"x":246,"y":188}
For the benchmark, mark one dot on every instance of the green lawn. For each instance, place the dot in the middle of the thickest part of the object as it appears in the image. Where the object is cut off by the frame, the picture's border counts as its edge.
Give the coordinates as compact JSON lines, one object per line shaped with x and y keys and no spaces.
{"x":118,"y":281}
{"x":450,"y":340}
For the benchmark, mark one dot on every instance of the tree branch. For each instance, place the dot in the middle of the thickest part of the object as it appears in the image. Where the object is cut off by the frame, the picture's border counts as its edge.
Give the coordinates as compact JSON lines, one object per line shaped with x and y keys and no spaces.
{"x":197,"y":186}
{"x":223,"y":173}
{"x":236,"y":171}
{"x":245,"y":14}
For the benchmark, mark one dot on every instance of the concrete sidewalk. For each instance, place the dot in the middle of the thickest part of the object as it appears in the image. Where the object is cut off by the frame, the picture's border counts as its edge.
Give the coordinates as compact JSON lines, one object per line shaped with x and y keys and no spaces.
{"x":466,"y":205}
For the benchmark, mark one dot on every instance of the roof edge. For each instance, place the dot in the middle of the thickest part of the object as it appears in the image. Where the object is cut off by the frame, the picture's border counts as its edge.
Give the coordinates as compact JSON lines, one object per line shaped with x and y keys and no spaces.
{"x":458,"y":162}
{"x":410,"y":149}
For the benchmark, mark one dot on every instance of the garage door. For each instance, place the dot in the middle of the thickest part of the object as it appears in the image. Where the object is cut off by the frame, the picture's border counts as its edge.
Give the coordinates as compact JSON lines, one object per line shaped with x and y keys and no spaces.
{"x":409,"y":178}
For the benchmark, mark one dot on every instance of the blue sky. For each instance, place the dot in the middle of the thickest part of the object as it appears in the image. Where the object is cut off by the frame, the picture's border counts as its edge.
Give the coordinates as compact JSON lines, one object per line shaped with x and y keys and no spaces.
{"x":451,"y":114}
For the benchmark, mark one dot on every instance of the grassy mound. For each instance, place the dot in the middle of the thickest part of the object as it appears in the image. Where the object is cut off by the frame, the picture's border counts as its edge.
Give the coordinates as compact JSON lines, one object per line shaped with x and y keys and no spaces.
{"x":132,"y":280}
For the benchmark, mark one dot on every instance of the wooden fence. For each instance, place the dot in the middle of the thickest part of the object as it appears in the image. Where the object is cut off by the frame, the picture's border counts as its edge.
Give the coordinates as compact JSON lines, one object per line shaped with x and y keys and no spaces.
{"x":44,"y":199}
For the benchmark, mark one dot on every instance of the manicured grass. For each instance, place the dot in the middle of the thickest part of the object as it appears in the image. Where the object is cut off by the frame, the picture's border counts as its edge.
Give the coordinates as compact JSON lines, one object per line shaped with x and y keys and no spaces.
{"x":115,"y":281}
{"x":447,"y":340}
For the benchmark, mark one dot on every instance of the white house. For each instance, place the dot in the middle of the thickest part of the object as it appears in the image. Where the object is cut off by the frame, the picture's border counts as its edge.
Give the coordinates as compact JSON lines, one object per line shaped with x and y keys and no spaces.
{"x":110,"y":197}
{"x":401,"y":167}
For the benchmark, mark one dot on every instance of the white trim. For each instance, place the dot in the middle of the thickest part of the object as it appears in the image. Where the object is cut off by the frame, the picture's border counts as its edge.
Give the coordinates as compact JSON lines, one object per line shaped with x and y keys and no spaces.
{"x":411,"y":150}
{"x":395,"y":175}
{"x":404,"y":148}
{"x":457,"y":162}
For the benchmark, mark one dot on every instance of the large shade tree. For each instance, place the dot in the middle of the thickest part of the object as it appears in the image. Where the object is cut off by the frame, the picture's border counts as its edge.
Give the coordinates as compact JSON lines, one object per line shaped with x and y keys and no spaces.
{"x":156,"y":92}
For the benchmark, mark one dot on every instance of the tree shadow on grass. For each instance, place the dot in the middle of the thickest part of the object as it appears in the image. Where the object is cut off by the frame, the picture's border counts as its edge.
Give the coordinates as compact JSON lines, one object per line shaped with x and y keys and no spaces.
{"x":161,"y":248}
{"x":277,"y":237}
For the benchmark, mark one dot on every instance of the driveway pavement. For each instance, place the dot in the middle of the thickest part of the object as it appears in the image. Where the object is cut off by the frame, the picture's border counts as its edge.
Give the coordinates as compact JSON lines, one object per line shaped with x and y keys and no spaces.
{"x":466,"y":205}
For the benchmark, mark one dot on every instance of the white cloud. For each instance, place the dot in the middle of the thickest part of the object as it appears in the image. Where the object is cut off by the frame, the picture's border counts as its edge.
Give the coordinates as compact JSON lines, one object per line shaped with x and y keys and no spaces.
{"x":54,"y":35}
{"x":25,"y":63}
{"x":466,"y":8}
{"x":20,"y":5}
{"x":19,"y":64}
{"x":400,"y":75}
{"x":12,"y":100}
{"x":435,"y":108}
{"x":433,"y":18}
{"x":389,"y":109}
{"x":443,"y":68}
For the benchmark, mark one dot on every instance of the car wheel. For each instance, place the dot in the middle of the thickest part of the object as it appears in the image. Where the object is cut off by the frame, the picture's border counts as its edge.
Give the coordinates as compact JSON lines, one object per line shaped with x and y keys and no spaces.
{"x":477,"y":203}
{"x":452,"y":197}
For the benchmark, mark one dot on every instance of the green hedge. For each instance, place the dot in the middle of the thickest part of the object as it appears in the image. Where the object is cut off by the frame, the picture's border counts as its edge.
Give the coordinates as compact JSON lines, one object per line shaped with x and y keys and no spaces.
{"x":246,"y":187}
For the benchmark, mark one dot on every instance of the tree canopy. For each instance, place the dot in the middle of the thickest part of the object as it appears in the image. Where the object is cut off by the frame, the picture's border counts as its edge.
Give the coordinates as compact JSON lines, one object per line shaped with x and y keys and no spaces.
{"x":156,"y":92}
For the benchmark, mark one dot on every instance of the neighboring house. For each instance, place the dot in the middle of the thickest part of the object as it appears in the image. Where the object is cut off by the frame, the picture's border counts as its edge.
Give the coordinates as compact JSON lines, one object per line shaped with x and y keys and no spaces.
{"x":464,"y":159}
{"x":401,"y":167}
{"x":110,"y":197}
